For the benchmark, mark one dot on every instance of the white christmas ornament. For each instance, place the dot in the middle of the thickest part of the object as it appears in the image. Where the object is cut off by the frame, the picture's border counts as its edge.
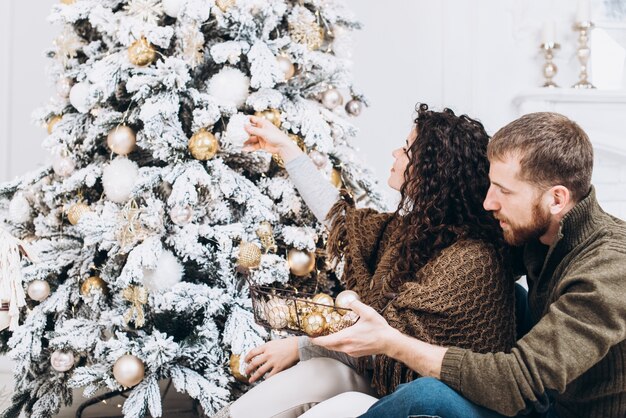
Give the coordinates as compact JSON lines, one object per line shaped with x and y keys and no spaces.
{"x":172,"y":7}
{"x":38,"y":290}
{"x":181,"y":215}
{"x":230,"y":86}
{"x":118,"y":179}
{"x":167,"y":273}
{"x":62,"y":361}
{"x":79,"y":95}
{"x":19,"y":209}
{"x":235,"y":132}
{"x":63,"y":166}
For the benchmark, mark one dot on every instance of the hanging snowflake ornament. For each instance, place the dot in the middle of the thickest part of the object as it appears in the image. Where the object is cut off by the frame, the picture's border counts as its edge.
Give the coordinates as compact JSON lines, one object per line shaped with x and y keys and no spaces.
{"x":148,"y":11}
{"x":191,"y":43}
{"x":303,"y":28}
{"x":67,"y":45}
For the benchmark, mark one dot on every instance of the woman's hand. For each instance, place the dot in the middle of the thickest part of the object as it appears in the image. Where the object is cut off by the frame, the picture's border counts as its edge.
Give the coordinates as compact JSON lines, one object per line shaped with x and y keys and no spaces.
{"x":273,"y":357}
{"x":264,"y":135}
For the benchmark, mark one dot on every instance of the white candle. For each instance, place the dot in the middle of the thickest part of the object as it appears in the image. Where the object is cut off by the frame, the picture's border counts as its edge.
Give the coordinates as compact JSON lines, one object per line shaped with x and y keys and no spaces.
{"x":583,"y":14}
{"x":548,"y":34}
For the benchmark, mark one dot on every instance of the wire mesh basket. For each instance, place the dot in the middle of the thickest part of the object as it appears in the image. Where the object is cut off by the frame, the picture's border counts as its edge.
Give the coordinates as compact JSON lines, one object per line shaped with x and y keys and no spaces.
{"x":299,"y":313}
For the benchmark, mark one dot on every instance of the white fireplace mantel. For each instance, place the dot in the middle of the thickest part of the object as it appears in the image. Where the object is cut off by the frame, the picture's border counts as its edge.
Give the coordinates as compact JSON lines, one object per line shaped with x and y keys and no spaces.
{"x":601,"y":113}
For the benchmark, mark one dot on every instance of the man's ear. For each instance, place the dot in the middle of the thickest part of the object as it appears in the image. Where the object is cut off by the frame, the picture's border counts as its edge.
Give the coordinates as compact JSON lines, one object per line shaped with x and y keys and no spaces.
{"x":560,"y":199}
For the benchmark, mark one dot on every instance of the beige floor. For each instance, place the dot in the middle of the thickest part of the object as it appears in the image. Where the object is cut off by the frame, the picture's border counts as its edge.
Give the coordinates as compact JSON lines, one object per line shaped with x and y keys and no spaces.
{"x":175,"y":405}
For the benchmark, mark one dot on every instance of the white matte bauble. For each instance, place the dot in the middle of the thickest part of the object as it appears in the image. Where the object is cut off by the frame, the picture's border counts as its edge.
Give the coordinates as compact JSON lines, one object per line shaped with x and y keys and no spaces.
{"x":118,"y":179}
{"x":121,"y":140}
{"x":128,"y":370}
{"x":181,"y":215}
{"x":167,"y":273}
{"x":320,"y":160}
{"x":63,"y":166}
{"x":230,"y":86}
{"x":38,"y":290}
{"x":64,"y":86}
{"x":19,"y":209}
{"x":235,"y":132}
{"x":331,"y":98}
{"x":172,"y":7}
{"x":79,"y":97}
{"x":62,"y":361}
{"x":286,"y":66}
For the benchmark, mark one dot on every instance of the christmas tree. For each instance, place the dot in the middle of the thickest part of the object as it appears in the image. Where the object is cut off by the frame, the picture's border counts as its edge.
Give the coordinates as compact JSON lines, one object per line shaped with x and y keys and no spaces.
{"x":142,"y":236}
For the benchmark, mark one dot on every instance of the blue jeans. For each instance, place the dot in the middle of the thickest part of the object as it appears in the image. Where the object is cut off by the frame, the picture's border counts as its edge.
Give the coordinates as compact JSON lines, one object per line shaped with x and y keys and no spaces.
{"x":427,"y":397}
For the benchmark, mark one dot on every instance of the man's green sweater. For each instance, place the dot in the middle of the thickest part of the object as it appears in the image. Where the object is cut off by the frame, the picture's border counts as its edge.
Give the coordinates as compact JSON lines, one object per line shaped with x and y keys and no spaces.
{"x":576,"y":351}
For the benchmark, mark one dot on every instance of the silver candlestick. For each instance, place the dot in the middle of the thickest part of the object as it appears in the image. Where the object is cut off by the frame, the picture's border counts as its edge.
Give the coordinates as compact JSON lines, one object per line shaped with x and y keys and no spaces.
{"x":583,"y":53}
{"x":549,"y":68}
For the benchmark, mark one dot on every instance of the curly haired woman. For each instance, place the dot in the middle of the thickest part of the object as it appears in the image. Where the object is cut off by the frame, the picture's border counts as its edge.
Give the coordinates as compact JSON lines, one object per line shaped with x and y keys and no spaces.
{"x":435,"y":268}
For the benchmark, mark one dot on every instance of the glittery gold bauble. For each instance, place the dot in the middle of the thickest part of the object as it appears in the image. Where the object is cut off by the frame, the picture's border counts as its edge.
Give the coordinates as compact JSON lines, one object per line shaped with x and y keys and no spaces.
{"x":314,"y":324}
{"x":344,"y":299}
{"x":224,"y":5}
{"x":273,"y":115}
{"x":141,"y":52}
{"x":93,"y":284}
{"x":325,"y":303}
{"x":277,"y":313}
{"x":76,"y":211}
{"x":308,"y":33}
{"x":249,"y":255}
{"x":286,"y":66}
{"x":335,"y":322}
{"x":52,"y":122}
{"x":349,"y":319}
{"x":301,"y":263}
{"x":235,"y":362}
{"x":335,"y":178}
{"x":128,"y":370}
{"x":296,"y":140}
{"x":203,"y":145}
{"x":266,"y":235}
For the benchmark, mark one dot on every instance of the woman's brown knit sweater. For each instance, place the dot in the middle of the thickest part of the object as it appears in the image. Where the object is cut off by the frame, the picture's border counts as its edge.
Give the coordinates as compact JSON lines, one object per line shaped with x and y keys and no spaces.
{"x":462,"y":297}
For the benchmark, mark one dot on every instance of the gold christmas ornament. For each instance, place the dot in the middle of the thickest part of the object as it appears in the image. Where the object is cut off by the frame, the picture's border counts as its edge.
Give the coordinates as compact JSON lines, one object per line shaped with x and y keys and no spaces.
{"x":335,"y":178}
{"x":249,"y":255}
{"x":301,"y":263}
{"x":235,"y":362}
{"x":273,"y":115}
{"x":137,"y":296}
{"x":286,"y":66}
{"x":296,"y":140}
{"x":308,"y":33}
{"x":121,"y":140}
{"x":62,"y":361}
{"x":314,"y":324}
{"x":76,"y":211}
{"x":141,"y":53}
{"x":335,"y":322}
{"x":52,"y":122}
{"x":93,"y":284}
{"x":323,"y":299}
{"x":349,"y":319}
{"x":203,"y":145}
{"x":128,"y":370}
{"x":277,"y":313}
{"x":224,"y":5}
{"x":38,"y":290}
{"x":344,"y":299}
{"x":266,"y":235}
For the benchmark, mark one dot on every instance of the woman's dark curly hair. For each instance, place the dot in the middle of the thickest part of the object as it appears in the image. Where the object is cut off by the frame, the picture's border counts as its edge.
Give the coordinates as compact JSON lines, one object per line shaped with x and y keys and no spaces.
{"x":446,"y":181}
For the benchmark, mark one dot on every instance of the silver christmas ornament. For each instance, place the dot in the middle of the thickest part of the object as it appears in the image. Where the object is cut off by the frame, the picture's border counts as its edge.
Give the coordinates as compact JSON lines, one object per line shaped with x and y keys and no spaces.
{"x":319,"y":159}
{"x":38,"y":290}
{"x":181,"y":215}
{"x":121,"y":140}
{"x":354,"y":107}
{"x":62,"y":361}
{"x":63,"y":166}
{"x":331,"y":98}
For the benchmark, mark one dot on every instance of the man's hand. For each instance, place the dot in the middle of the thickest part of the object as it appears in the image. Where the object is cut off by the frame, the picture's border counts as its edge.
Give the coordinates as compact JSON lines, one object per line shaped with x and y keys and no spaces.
{"x":370,"y":335}
{"x":373,"y":335}
{"x":273,"y":357}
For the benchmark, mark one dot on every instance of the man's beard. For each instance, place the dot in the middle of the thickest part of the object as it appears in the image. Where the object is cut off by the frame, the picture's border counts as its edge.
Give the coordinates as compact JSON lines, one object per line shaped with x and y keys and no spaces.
{"x":517,"y":235}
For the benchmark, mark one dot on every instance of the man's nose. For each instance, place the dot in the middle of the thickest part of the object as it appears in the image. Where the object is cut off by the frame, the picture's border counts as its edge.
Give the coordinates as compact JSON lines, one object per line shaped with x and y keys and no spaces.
{"x":490,"y":203}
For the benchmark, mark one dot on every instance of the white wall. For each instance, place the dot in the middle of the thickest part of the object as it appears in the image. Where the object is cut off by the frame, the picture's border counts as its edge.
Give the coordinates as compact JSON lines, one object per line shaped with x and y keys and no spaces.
{"x":473,"y":56}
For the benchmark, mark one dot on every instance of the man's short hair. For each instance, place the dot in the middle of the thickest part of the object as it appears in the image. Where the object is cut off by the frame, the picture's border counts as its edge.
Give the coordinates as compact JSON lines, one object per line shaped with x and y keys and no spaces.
{"x":553,"y":150}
